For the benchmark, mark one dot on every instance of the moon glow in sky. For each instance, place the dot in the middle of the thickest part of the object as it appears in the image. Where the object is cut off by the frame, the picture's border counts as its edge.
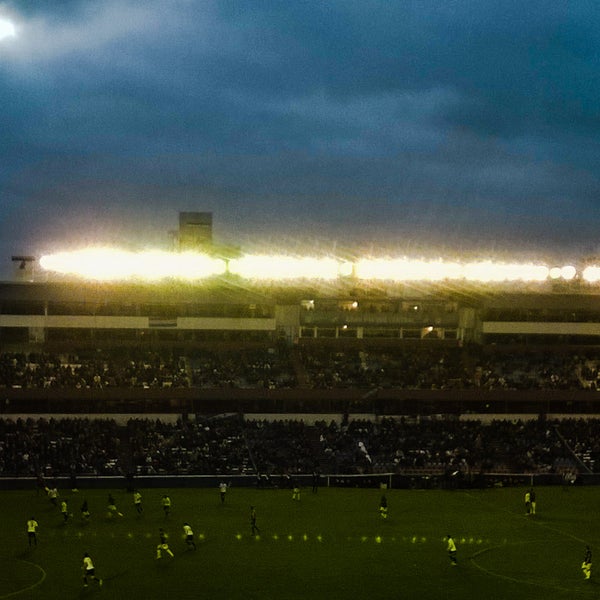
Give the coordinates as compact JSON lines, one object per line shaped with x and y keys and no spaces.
{"x":7,"y":29}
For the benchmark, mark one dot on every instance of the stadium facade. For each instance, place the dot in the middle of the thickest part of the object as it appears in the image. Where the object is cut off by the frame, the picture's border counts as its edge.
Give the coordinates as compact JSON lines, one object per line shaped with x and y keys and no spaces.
{"x":69,"y":315}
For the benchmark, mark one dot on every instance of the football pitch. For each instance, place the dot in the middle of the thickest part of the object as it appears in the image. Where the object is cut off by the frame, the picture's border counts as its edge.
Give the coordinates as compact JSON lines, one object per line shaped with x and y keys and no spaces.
{"x":331,"y":544}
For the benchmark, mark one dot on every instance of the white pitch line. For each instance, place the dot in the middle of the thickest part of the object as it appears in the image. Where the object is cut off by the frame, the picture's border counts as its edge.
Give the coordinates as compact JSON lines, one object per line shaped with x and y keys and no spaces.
{"x":30,"y":587}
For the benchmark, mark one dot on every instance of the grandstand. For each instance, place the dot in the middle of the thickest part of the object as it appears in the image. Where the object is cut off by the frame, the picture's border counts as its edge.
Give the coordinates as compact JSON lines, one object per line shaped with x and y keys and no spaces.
{"x":227,"y":343}
{"x":335,"y":348}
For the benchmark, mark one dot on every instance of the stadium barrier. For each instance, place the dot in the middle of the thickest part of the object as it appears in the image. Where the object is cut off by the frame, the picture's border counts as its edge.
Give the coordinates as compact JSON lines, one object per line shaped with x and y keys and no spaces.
{"x":378,"y":401}
{"x":447,"y":481}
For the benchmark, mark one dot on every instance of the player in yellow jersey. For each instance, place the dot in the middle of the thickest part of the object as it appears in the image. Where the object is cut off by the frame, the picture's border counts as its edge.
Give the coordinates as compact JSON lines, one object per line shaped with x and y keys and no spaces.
{"x":222,"y":491}
{"x":189,"y":536}
{"x":451,"y":547}
{"x":88,"y":571}
{"x":166,"y":504}
{"x":32,"y":526}
{"x":586,"y":565}
{"x":296,"y":492}
{"x":137,"y":502}
{"x":64,"y":509}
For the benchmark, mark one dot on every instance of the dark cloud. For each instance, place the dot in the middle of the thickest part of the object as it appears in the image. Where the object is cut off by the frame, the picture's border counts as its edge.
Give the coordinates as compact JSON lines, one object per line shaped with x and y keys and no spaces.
{"x":420,"y":124}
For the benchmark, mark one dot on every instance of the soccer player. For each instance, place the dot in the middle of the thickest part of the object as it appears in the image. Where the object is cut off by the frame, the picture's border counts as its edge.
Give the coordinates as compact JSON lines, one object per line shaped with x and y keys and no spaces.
{"x":189,"y":536}
{"x":383,"y":507}
{"x":586,"y":565}
{"x":112,"y":507}
{"x":53,"y":495}
{"x":64,"y":509}
{"x":315,"y":481}
{"x":222,"y":491}
{"x":451,"y":547}
{"x":253,"y":525}
{"x":137,"y":502}
{"x":32,"y":526}
{"x":532,"y":502}
{"x":166,"y":504}
{"x":163,"y":545}
{"x":89,"y":571}
{"x":527,"y":502}
{"x":85,"y":512}
{"x":296,"y":492}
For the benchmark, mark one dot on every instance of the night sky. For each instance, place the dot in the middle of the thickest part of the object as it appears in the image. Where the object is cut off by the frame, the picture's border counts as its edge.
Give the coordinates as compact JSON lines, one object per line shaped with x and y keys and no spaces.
{"x":415,"y":128}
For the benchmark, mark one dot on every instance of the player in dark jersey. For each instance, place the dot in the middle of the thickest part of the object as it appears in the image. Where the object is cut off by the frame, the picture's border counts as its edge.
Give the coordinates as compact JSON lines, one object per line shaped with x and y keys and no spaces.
{"x":163,"y":546}
{"x":254,"y":528}
{"x":383,"y":507}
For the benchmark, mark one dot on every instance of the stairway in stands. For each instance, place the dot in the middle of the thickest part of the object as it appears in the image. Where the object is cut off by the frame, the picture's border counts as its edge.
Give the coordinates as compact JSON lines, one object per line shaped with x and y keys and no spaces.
{"x":299,"y":369}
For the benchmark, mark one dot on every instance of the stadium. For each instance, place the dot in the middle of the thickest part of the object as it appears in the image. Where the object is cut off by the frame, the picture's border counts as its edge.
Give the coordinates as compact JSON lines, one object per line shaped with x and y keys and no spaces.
{"x":450,"y":387}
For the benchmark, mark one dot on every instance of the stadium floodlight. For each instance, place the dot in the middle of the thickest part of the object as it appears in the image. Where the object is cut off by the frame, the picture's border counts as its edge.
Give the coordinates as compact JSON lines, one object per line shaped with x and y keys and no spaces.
{"x":274,"y":268}
{"x":404,"y":269}
{"x":487,"y":271}
{"x":107,"y":264}
{"x":591,"y":274}
{"x":346,"y":269}
{"x":567,"y":272}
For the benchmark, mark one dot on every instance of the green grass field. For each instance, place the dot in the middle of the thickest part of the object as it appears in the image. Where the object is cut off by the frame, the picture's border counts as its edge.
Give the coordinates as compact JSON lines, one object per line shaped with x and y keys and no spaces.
{"x":330,"y":545}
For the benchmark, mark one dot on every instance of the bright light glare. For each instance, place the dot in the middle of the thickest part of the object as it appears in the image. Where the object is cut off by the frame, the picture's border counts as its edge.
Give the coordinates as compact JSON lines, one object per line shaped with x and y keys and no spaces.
{"x":591,"y":274}
{"x":419,"y":270}
{"x":7,"y":29}
{"x":284,"y":267}
{"x":489,"y":271}
{"x":567,"y":272}
{"x":106,"y":264}
{"x":346,"y":269}
{"x":404,"y":269}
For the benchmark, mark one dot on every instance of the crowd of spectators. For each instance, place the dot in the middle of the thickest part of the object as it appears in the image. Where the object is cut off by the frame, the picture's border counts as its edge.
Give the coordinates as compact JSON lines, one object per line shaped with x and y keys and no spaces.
{"x":99,"y":370}
{"x":200,"y":447}
{"x":269,"y":368}
{"x":47,"y":447}
{"x":309,"y":367}
{"x":234,"y":445}
{"x":423,"y":368}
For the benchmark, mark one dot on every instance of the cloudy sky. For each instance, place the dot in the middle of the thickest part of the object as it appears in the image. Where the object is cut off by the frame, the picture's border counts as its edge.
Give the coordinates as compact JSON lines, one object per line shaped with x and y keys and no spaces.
{"x":418,"y":127}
